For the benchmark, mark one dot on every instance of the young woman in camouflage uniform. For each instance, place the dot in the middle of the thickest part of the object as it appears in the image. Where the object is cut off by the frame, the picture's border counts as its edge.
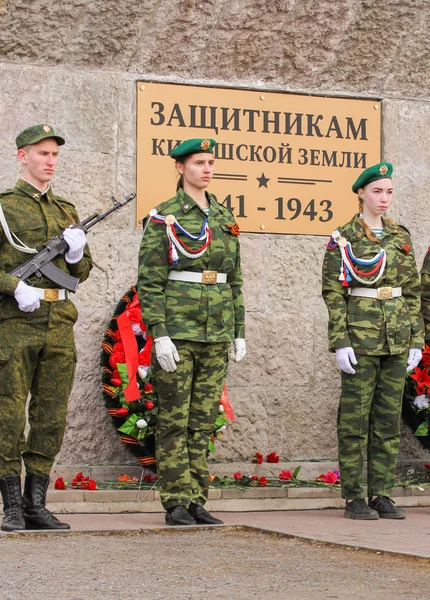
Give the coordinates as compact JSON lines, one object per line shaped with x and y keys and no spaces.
{"x":372,"y":291}
{"x":190,"y":291}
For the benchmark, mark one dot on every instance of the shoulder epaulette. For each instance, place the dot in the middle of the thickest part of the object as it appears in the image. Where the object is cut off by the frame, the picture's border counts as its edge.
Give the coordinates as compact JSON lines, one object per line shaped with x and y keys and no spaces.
{"x":64,"y":201}
{"x":6,"y":193}
{"x":405,"y":228}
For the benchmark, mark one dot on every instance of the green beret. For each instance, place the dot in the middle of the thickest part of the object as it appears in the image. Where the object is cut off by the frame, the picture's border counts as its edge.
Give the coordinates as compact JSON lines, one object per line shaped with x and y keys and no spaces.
{"x":382,"y":170}
{"x":193,"y":146}
{"x":35,"y":134}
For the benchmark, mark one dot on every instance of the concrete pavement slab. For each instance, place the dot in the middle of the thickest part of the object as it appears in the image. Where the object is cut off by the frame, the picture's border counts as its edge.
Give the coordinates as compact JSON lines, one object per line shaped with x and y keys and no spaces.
{"x":408,"y":537}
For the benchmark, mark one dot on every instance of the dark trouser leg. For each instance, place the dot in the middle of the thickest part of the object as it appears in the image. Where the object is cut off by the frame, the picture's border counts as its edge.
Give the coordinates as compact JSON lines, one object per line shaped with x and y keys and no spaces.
{"x":21,"y":344}
{"x":384,"y":430}
{"x":209,"y":378}
{"x":353,"y":422}
{"x":188,"y":404}
{"x":50,"y":391}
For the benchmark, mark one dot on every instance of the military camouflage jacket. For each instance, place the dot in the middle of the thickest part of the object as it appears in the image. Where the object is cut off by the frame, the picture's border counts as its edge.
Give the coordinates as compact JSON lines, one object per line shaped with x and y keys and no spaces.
{"x":186,"y":310}
{"x":425,"y":295}
{"x":35,"y":220}
{"x":369,"y":325}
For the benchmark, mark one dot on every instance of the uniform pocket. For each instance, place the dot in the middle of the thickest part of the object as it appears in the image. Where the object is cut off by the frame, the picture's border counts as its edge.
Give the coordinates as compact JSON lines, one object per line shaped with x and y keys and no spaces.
{"x":364,"y":321}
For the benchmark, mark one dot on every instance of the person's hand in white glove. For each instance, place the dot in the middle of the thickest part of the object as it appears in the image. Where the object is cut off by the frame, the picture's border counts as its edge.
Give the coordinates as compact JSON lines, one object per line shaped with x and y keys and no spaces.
{"x":76,"y":241}
{"x":345,"y":358}
{"x":166,"y":352}
{"x":27,"y":298}
{"x":414,"y":358}
{"x":238,"y":350}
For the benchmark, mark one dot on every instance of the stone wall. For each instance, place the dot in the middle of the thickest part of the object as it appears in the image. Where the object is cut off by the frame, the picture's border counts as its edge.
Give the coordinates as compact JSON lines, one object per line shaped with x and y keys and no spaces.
{"x":74,"y":65}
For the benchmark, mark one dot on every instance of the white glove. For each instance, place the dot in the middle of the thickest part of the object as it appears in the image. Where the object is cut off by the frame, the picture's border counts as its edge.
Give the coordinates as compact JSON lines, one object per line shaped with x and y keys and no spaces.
{"x":76,"y":241}
{"x":414,"y":358}
{"x":238,"y":350}
{"x":27,"y":298}
{"x":166,"y":353}
{"x":345,"y":358}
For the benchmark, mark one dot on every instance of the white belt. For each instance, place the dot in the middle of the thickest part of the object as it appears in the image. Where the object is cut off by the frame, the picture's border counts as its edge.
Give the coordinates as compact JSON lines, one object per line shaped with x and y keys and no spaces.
{"x":207,"y":277}
{"x":51,"y":295}
{"x":382,"y":293}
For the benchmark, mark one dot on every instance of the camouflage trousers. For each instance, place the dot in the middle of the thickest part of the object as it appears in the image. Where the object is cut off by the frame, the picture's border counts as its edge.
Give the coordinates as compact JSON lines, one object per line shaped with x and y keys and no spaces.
{"x":369,"y":424}
{"x":188,"y":406}
{"x":37,"y":357}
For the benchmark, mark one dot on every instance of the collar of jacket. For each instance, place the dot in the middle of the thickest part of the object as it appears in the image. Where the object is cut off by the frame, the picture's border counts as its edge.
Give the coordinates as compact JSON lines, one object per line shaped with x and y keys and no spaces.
{"x":356,"y":229}
{"x":33,"y":192}
{"x":187,"y":203}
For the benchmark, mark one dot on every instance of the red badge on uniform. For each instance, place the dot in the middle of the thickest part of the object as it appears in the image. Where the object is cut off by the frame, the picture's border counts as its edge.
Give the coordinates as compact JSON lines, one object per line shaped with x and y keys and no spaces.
{"x":406,"y":248}
{"x":234,"y":229}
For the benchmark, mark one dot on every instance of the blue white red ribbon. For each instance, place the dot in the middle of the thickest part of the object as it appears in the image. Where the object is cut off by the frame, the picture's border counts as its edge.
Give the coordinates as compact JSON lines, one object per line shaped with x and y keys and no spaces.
{"x":175,"y":244}
{"x":348,"y":270}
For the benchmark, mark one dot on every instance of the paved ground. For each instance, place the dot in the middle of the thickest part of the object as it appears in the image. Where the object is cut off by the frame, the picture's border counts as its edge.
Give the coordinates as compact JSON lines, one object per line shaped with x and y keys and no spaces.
{"x":410,"y":537}
{"x":220,"y":563}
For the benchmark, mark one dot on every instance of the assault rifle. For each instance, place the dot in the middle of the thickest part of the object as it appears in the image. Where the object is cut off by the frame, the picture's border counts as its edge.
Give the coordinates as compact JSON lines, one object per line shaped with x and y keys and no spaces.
{"x":41,"y":263}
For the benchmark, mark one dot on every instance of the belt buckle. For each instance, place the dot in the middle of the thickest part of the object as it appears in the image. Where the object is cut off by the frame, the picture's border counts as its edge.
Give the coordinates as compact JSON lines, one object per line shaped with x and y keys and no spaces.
{"x":209,"y":277}
{"x":51,"y":295}
{"x":385,"y":293}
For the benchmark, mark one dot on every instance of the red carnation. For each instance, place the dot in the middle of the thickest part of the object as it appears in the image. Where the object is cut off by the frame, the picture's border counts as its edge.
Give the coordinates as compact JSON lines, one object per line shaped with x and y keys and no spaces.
{"x":117,"y":336}
{"x":59,"y":484}
{"x":148,"y":387}
{"x":116,"y":382}
{"x":285,"y":475}
{"x":330,"y":477}
{"x":263,"y":481}
{"x":272,"y":457}
{"x":237,"y":476}
{"x":427,"y":467}
{"x":92,"y":485}
{"x":258,"y":458}
{"x":79,"y":476}
{"x":149,"y":405}
{"x":145,"y":353}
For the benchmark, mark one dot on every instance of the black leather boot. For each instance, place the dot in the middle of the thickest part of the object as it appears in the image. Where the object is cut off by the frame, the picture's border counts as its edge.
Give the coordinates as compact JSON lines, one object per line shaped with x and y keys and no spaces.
{"x":10,"y":487}
{"x":36,"y":515}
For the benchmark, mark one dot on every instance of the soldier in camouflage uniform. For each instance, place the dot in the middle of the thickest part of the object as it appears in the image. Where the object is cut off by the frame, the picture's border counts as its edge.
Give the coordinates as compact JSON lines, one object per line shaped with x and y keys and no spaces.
{"x":425,"y":295}
{"x":372,"y":292}
{"x":190,"y":291}
{"x":37,"y":351}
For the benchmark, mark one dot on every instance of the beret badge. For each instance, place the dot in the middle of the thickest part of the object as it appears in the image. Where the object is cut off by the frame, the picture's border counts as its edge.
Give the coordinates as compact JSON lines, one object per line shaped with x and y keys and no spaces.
{"x":383,"y":169}
{"x":205,"y":145}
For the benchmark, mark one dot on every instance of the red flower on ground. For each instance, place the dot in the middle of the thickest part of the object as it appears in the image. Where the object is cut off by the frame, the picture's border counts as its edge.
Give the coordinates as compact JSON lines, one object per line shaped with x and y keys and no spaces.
{"x":272,"y":457}
{"x":285,"y":475}
{"x":92,"y":485}
{"x":330,"y":477}
{"x":427,"y":467}
{"x":258,"y":458}
{"x":254,"y":478}
{"x":263,"y":481}
{"x":237,"y":475}
{"x":59,"y":484}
